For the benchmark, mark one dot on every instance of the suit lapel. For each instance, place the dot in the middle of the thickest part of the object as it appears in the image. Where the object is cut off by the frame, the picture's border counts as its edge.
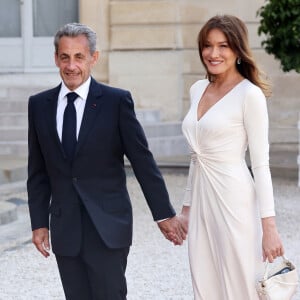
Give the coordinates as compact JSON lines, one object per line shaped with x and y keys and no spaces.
{"x":91,"y":110}
{"x":52,"y":101}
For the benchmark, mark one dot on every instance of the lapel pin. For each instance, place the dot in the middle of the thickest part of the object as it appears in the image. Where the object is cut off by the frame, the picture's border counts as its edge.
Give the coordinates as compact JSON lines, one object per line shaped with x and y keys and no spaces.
{"x":94,"y":104}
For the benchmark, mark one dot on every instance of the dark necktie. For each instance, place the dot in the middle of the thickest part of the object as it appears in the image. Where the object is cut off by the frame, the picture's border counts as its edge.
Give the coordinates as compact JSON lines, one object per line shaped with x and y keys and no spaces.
{"x":69,"y":127}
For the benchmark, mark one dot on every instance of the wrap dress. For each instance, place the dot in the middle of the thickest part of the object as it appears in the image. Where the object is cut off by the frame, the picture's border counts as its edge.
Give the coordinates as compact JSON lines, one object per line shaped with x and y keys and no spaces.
{"x":226,"y":204}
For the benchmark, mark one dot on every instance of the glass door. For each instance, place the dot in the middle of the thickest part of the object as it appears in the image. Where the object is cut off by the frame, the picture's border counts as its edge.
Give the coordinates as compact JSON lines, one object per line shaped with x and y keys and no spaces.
{"x":26,"y":32}
{"x":47,"y":18}
{"x":11,"y":44}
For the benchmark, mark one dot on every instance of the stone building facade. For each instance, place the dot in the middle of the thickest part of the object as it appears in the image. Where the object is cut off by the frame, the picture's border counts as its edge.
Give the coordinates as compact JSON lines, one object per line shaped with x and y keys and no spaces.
{"x":149,"y":47}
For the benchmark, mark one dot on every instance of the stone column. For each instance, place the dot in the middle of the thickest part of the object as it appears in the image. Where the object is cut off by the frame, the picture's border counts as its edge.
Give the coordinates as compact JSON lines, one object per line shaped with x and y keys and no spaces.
{"x":95,"y":13}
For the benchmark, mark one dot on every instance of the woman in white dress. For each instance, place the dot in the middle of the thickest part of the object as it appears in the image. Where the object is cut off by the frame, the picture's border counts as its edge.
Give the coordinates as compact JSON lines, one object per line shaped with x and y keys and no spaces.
{"x":230,"y":216}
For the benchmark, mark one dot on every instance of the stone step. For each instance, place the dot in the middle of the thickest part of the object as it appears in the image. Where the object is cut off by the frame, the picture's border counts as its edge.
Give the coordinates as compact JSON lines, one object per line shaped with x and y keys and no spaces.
{"x":168,"y":146}
{"x":146,"y":116}
{"x":13,"y":119}
{"x":12,"y":168}
{"x":163,"y":129}
{"x":13,"y":106}
{"x":17,"y":93}
{"x":18,"y":87}
{"x":13,"y":133}
{"x":15,"y":148}
{"x":13,"y":174}
{"x":283,"y":135}
{"x":283,"y":161}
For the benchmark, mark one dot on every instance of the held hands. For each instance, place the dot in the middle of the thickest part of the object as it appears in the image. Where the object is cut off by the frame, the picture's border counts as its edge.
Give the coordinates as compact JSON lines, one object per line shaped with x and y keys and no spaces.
{"x":40,"y":238}
{"x":175,"y":229}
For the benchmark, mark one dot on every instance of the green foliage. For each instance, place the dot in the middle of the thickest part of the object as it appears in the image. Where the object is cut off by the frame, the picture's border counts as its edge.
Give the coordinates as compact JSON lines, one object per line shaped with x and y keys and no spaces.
{"x":280,"y":24}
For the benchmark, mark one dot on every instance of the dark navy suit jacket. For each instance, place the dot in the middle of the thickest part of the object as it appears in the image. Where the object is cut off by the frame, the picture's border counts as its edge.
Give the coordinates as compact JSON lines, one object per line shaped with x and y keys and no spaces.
{"x":96,"y":177}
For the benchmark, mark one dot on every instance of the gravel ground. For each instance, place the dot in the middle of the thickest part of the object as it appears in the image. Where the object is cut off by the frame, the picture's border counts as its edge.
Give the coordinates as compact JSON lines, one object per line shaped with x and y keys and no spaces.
{"x":157,"y":270}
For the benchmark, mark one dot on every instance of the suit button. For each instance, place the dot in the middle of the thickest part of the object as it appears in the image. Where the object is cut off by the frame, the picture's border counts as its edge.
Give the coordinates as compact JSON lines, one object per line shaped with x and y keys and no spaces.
{"x":74,"y":179}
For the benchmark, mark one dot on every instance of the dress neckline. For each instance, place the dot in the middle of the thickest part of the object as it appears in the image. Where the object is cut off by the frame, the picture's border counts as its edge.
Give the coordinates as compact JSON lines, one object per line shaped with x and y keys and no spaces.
{"x":219,"y":100}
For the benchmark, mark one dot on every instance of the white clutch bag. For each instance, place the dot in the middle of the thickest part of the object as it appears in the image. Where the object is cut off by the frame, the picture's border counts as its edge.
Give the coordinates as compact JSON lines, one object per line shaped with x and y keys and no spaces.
{"x":279,"y":283}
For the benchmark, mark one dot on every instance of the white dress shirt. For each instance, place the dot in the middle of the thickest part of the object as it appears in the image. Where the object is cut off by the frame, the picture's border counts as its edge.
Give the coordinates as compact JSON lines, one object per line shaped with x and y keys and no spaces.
{"x":82,"y":92}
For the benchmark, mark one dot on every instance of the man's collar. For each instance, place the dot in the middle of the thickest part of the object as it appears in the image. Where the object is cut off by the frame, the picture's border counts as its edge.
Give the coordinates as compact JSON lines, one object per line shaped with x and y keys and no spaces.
{"x":82,"y":91}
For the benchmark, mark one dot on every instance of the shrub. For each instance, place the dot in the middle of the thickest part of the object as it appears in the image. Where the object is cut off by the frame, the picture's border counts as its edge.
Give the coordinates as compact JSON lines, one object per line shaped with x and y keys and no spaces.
{"x":280,"y":24}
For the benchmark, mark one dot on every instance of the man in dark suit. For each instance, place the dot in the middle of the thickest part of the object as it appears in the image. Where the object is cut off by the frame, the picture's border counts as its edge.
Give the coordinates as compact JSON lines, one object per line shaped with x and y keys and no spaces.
{"x":78,"y":135}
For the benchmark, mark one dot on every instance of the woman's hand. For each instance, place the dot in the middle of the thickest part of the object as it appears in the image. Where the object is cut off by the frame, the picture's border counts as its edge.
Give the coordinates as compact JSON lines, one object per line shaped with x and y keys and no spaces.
{"x":271,"y":243}
{"x":184,"y":218}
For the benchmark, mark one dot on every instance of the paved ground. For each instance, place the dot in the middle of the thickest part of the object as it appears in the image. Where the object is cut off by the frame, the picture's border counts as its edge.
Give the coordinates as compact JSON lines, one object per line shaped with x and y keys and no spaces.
{"x":156,"y":269}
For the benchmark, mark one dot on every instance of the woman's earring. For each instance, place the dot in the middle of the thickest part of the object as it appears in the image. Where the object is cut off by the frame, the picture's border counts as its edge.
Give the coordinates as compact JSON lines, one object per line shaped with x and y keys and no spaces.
{"x":238,"y":61}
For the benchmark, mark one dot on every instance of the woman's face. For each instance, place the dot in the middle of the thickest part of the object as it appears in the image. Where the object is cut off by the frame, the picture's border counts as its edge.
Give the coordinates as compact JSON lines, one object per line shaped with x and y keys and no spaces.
{"x":218,"y":57}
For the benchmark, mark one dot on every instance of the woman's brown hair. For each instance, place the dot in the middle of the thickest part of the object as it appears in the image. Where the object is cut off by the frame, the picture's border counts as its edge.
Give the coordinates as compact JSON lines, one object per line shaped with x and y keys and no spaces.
{"x":236,"y":34}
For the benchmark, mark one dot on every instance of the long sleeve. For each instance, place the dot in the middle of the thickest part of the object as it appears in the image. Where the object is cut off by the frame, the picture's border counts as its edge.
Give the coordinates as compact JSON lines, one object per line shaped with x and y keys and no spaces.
{"x":257,"y":127}
{"x":143,"y":163}
{"x":38,"y":184}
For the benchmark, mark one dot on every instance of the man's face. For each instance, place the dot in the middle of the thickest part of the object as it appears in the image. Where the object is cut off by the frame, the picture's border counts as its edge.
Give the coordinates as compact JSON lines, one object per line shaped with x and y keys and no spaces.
{"x":74,"y":60}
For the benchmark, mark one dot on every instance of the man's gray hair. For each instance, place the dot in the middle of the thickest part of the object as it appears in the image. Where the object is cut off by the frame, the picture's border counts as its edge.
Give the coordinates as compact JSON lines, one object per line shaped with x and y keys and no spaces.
{"x":74,"y":30}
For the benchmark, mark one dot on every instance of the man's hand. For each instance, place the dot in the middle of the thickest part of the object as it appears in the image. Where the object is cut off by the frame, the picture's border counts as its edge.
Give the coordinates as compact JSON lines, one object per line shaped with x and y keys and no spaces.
{"x":173,"y":230}
{"x":40,"y":238}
